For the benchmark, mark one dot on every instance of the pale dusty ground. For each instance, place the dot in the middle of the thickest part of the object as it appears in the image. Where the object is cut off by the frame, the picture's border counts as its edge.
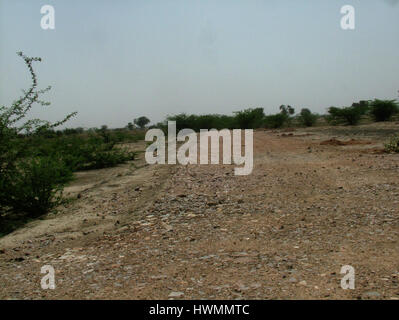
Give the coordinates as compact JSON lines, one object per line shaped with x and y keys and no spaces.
{"x":283,"y":232}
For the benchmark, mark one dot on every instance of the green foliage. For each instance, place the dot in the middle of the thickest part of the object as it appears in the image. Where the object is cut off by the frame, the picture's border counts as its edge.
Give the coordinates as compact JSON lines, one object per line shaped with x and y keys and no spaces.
{"x":249,"y":118}
{"x":383,"y":110}
{"x":27,"y":183}
{"x":121,"y":135}
{"x":346,"y":115}
{"x":36,"y":161}
{"x":184,"y":121}
{"x":362,"y":106}
{"x":197,"y":122}
{"x":161,"y":125}
{"x":33,"y":187}
{"x":287,"y":110}
{"x":275,"y":121}
{"x":392,"y":145}
{"x":307,"y":118}
{"x":94,"y":151}
{"x":130,"y":126}
{"x":278,"y":120}
{"x":141,"y":122}
{"x":252,"y":118}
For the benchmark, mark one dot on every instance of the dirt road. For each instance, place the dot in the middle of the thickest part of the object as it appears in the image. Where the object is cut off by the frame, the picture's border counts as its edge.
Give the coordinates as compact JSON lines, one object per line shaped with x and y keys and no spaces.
{"x":283,"y":232}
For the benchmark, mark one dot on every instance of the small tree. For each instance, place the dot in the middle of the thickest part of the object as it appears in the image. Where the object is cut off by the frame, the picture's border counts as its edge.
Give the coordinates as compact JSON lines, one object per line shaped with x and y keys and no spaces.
{"x":275,"y":121}
{"x":278,"y":120}
{"x":347,"y":115}
{"x":287,"y":110}
{"x":14,"y":146}
{"x":383,"y":110}
{"x":392,"y":145}
{"x":249,"y":118}
{"x":141,"y":122}
{"x":130,"y":126}
{"x":362,"y":106}
{"x":307,"y":118}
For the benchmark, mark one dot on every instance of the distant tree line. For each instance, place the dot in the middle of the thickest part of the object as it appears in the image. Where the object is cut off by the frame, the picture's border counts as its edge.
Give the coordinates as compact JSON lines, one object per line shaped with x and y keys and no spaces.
{"x":254,"y":118}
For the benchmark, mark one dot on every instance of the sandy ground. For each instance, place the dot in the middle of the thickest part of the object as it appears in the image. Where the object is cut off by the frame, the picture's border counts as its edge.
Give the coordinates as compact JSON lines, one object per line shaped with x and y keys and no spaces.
{"x":312,"y":205}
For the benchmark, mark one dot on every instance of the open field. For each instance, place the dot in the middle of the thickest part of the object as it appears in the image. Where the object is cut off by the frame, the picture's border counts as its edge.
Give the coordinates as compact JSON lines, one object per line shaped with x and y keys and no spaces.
{"x":315,"y":201}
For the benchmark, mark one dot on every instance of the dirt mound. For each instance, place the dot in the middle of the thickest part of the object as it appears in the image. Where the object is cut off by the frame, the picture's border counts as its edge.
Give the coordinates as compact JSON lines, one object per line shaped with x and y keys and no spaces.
{"x":336,"y":142}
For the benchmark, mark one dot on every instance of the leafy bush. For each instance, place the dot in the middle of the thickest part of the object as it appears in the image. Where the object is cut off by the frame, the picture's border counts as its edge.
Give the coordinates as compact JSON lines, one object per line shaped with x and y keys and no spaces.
{"x":27,"y":183}
{"x":101,"y":158}
{"x":383,"y":110}
{"x":141,"y":122}
{"x":392,"y":145}
{"x":307,"y":118}
{"x":33,"y":187}
{"x":363,"y":106}
{"x":120,"y":136}
{"x":197,"y":122}
{"x":81,"y":153}
{"x":347,"y":115}
{"x":287,"y":110}
{"x":249,"y":118}
{"x":275,"y":121}
{"x":280,"y":119}
{"x":245,"y":119}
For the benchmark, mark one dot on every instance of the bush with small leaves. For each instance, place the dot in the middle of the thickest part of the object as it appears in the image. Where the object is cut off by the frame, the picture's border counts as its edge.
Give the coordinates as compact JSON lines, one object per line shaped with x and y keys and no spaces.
{"x":392,"y":146}
{"x":280,"y":119}
{"x":141,"y":122}
{"x":383,"y":110}
{"x":249,"y":118}
{"x":36,"y":186}
{"x":27,"y":183}
{"x":347,"y":115}
{"x":198,"y":122}
{"x":307,"y":118}
{"x":275,"y":121}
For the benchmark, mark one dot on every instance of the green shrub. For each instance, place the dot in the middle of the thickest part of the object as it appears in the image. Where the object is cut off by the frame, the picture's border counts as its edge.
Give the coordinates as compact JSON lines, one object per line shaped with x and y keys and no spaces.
{"x":347,"y":115}
{"x":280,"y":119}
{"x":252,"y":118}
{"x":249,"y":118}
{"x":383,"y":110}
{"x":141,"y":122}
{"x":197,"y":122}
{"x":275,"y":121}
{"x":101,"y":158}
{"x":33,"y":187}
{"x":27,"y":183}
{"x":392,"y":145}
{"x":120,"y":136}
{"x":81,"y":153}
{"x":307,"y":118}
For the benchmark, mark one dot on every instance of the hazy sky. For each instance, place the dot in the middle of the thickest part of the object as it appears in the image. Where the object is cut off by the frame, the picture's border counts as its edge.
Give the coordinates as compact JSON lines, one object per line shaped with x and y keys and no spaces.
{"x":113,"y":61}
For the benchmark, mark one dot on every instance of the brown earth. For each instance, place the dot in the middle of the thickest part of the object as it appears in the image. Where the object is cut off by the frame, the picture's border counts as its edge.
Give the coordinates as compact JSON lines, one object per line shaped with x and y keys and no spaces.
{"x":336,"y":142}
{"x":283,"y":232}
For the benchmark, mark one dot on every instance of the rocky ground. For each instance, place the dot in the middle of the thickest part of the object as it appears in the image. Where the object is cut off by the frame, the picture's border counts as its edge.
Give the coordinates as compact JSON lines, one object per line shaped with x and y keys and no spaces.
{"x":316,"y":201}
